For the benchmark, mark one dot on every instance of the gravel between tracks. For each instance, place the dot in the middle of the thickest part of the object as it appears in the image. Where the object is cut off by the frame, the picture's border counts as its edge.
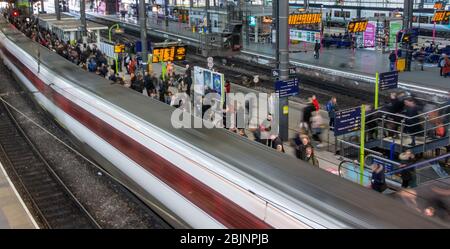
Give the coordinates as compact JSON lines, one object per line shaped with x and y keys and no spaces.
{"x":110,"y":203}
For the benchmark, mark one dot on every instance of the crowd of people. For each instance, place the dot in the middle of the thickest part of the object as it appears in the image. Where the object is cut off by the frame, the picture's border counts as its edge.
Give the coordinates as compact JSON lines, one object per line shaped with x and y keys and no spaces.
{"x":128,"y":72}
{"x":422,"y":57}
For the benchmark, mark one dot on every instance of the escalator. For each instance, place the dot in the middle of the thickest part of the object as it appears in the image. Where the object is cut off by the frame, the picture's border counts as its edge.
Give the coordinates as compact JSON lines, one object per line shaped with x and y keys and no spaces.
{"x":430,"y":191}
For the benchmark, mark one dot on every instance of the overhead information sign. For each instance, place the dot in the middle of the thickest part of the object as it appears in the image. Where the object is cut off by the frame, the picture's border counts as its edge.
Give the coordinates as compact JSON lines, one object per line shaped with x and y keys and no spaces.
{"x":292,"y":72}
{"x":439,"y":5}
{"x":347,"y":121}
{"x":440,"y":16}
{"x":357,"y":26}
{"x":305,"y":18}
{"x":286,"y":88}
{"x":119,"y":48}
{"x":171,"y":53}
{"x":388,"y":80}
{"x":388,"y":167}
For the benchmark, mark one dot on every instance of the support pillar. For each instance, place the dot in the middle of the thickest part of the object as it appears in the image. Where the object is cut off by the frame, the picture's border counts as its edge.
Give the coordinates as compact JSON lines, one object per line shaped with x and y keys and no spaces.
{"x":283,"y":66}
{"x":57,"y":10}
{"x":143,"y":26}
{"x":83,"y":17}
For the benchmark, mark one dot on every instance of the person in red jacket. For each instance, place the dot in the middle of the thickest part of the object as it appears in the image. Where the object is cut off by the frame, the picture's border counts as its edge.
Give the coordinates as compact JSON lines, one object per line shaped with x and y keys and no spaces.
{"x":227,"y":86}
{"x":315,"y":103}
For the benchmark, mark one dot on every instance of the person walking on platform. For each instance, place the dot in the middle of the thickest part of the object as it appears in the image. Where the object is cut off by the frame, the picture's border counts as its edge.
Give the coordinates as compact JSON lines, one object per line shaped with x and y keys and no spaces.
{"x":441,"y":64}
{"x":188,"y":82}
{"x":378,"y":180}
{"x":307,"y":113}
{"x":412,"y":125}
{"x":316,"y":50}
{"x":276,"y":143}
{"x":392,"y":60}
{"x":331,"y":109}
{"x":301,"y":142}
{"x":315,"y":102}
{"x":310,"y":157}
{"x":148,"y":81}
{"x":408,"y":175}
{"x":446,"y":67}
{"x":421,"y":58}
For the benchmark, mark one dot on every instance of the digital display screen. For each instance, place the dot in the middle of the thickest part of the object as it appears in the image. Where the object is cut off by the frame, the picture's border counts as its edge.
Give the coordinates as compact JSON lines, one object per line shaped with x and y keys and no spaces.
{"x":357,"y":26}
{"x":252,"y":21}
{"x":439,"y":5}
{"x":119,"y":48}
{"x":305,"y":18}
{"x":172,"y":53}
{"x":440,"y":16}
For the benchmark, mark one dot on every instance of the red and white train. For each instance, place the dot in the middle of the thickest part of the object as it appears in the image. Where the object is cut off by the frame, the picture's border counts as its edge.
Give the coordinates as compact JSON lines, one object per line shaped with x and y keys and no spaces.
{"x":199,"y":178}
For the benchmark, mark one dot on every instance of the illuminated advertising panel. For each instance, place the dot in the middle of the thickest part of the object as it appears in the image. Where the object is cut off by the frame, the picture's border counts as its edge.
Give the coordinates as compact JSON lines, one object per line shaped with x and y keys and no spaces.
{"x":305,"y":18}
{"x":357,"y":26}
{"x":171,"y":53}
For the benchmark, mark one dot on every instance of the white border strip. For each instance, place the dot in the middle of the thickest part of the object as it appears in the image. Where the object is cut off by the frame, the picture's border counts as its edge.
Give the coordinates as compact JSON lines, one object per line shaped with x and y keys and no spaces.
{"x":19,"y":197}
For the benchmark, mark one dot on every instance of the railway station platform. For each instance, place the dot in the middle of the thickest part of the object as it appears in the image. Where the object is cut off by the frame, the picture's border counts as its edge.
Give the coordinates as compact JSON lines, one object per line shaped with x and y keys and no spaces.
{"x":327,"y":159}
{"x":13,"y":212}
{"x":360,"y":64}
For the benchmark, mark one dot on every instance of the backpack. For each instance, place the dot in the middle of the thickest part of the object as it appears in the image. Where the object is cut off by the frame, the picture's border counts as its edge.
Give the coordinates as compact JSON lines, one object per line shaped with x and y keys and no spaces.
{"x":329,"y":106}
{"x":442,"y":62}
{"x":440,"y":131}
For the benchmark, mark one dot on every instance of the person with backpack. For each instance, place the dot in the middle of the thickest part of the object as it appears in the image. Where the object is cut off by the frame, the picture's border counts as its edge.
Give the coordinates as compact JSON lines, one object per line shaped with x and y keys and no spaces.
{"x":331,"y":109}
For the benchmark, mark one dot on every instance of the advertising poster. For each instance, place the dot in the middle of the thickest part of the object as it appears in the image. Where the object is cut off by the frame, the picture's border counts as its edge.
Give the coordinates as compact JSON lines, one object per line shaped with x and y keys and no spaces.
{"x":217,"y":82}
{"x":304,"y":35}
{"x":370,"y":34}
{"x":199,"y":86}
{"x":207,"y":80}
{"x":394,"y":28}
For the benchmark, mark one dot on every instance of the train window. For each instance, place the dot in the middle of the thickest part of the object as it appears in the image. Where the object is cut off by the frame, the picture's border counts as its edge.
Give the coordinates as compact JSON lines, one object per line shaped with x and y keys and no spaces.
{"x":424,"y":19}
{"x":345,"y":14}
{"x":376,"y":14}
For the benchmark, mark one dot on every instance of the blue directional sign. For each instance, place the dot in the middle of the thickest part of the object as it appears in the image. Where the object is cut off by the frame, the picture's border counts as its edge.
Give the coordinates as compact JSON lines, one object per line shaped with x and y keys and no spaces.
{"x":388,"y":80}
{"x":388,"y":167}
{"x":286,"y":88}
{"x":347,"y":121}
{"x":139,"y":46}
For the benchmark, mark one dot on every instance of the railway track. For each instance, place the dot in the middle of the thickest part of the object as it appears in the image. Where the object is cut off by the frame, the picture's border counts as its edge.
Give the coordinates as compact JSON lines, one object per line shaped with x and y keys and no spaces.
{"x":52,"y":203}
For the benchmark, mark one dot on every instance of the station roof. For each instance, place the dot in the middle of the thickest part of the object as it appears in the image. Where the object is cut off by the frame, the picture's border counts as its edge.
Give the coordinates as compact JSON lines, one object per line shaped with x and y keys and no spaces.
{"x":52,"y":17}
{"x":74,"y":25}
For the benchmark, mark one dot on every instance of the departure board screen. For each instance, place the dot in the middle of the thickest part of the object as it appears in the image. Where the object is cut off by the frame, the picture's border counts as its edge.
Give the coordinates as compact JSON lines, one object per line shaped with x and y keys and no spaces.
{"x":439,"y":6}
{"x":305,"y":18}
{"x":119,"y":48}
{"x":357,"y":26}
{"x":171,"y":53}
{"x":440,"y":16}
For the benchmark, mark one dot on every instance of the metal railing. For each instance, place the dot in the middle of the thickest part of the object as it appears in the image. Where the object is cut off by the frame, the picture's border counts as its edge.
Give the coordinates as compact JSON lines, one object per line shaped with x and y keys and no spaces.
{"x":350,"y":170}
{"x":385,"y":124}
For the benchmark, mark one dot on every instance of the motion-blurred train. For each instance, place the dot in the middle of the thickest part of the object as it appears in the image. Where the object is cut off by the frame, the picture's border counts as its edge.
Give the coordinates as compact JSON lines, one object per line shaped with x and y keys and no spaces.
{"x":198,"y":178}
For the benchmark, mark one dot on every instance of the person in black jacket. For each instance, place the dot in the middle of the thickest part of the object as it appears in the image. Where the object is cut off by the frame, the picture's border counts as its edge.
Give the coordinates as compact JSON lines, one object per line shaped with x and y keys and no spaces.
{"x":316,"y":50}
{"x":412,"y":125}
{"x":378,"y":181}
{"x":148,"y":82}
{"x":307,"y":113}
{"x":392,"y":60}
